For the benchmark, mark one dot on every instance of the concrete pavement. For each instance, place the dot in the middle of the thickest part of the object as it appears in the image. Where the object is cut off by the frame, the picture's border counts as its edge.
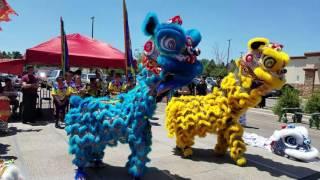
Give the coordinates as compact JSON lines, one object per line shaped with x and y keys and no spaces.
{"x":41,"y":152}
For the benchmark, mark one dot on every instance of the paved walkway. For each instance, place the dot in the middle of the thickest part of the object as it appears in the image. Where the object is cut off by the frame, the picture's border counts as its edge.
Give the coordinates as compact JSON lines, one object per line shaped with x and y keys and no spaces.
{"x":41,"y":152}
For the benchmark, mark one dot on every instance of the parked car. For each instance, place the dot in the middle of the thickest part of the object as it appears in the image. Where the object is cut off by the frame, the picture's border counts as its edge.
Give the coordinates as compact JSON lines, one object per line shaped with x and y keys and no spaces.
{"x":52,"y":76}
{"x":3,"y":76}
{"x":196,"y":81}
{"x":85,"y":78}
{"x":210,"y":83}
{"x":42,"y":75}
{"x":16,"y":80}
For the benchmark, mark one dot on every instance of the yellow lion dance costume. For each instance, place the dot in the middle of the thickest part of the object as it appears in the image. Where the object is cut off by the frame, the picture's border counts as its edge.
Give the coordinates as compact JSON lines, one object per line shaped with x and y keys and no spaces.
{"x":259,"y":71}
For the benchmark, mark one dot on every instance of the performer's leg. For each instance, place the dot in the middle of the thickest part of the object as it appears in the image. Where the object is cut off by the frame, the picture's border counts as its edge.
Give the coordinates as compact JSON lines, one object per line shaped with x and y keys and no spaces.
{"x":237,"y":146}
{"x":140,"y":147}
{"x":184,"y":142}
{"x":222,"y":144}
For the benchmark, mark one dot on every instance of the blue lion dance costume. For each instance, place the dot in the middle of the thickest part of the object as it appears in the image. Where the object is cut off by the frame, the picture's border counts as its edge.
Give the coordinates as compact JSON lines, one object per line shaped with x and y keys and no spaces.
{"x":93,"y":123}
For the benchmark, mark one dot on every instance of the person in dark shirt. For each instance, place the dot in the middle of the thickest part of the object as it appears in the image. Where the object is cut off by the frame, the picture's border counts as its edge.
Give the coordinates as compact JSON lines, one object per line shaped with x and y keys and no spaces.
{"x":29,"y":99}
{"x":78,"y":72}
{"x":201,"y":87}
{"x":12,"y":94}
{"x":1,"y":88}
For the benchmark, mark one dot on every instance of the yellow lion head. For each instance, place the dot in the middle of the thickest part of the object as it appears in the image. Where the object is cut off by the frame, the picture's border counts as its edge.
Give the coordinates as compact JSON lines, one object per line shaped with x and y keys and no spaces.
{"x":264,"y":63}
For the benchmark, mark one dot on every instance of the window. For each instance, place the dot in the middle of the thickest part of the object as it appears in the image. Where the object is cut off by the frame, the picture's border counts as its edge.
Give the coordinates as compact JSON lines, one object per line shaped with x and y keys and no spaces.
{"x":91,"y":76}
{"x":53,"y":73}
{"x":83,"y":76}
{"x":298,"y":78}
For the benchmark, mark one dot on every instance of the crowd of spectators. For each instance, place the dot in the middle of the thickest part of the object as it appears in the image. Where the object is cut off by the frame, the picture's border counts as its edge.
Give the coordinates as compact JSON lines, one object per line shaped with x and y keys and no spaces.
{"x":61,"y":91}
{"x":71,"y":85}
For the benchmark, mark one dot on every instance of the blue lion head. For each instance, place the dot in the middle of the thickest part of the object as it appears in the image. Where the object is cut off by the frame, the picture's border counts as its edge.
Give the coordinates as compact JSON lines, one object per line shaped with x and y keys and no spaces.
{"x":171,"y":52}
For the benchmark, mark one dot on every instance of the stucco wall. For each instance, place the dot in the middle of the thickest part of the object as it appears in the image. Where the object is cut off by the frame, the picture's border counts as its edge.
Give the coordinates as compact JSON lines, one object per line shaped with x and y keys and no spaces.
{"x":296,"y":74}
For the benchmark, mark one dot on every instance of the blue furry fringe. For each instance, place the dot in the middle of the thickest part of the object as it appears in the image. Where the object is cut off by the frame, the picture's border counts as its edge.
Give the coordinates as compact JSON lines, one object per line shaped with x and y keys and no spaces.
{"x":94,"y":123}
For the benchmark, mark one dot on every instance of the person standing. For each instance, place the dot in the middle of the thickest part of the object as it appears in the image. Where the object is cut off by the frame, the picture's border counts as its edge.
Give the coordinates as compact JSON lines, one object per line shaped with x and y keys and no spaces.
{"x":12,"y":94}
{"x":201,"y":87}
{"x":80,"y":88}
{"x":60,"y":95}
{"x":69,"y":79}
{"x":29,"y":99}
{"x":129,"y":85}
{"x":100,"y":83}
{"x":92,"y":88}
{"x":116,"y":87}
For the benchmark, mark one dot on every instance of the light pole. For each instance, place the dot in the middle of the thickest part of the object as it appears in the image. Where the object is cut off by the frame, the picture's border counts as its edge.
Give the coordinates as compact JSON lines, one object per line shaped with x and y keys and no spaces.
{"x":229,"y":40}
{"x":92,"y":25}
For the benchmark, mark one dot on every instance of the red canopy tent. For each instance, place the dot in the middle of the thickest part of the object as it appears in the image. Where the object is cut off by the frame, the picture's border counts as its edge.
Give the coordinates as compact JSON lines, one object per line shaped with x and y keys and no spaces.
{"x":83,"y":52}
{"x":12,"y":66}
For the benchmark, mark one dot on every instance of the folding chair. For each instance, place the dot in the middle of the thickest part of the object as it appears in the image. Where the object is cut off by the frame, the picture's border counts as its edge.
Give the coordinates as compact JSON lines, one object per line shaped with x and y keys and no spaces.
{"x":45,"y":95}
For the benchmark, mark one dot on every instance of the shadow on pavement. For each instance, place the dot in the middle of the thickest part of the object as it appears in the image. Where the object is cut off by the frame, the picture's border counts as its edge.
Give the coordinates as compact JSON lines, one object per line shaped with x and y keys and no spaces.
{"x":154,"y":118}
{"x":114,"y":172}
{"x":155,"y":124}
{"x":250,"y":127}
{"x":276,"y":169}
{"x":43,"y":118}
{"x":206,"y":155}
{"x":4,"y":150}
{"x":13,"y":131}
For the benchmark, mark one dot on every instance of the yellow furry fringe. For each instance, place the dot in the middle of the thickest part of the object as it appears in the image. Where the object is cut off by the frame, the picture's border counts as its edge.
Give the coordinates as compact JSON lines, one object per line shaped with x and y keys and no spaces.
{"x":219,"y":111}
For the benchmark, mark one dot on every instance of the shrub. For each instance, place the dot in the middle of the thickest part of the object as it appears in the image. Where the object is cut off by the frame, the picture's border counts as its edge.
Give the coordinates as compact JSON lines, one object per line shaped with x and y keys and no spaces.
{"x":288,"y":99}
{"x":313,"y":103}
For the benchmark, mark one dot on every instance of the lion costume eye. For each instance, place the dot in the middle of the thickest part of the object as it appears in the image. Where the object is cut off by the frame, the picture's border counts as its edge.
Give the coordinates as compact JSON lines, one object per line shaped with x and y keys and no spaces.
{"x":291,"y":140}
{"x":168,"y":43}
{"x":269,"y":62}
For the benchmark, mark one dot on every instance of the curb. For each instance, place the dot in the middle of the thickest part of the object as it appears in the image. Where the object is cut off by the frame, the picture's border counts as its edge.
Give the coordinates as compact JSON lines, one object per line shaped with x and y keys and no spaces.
{"x":305,"y":117}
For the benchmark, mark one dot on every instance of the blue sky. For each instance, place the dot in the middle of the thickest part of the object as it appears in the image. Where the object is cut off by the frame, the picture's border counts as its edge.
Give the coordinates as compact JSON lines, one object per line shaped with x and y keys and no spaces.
{"x":292,"y":23}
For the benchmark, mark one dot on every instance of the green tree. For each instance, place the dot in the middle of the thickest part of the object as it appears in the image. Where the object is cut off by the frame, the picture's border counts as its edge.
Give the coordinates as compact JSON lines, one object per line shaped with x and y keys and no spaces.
{"x":288,"y":99}
{"x":10,"y":55}
{"x":4,"y":54}
{"x":210,"y":68}
{"x":16,"y":55}
{"x":219,"y":71}
{"x":313,"y":103}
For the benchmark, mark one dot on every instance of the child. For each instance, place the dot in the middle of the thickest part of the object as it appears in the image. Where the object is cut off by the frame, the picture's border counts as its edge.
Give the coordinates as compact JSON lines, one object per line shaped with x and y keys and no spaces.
{"x":92,"y":89}
{"x":100,"y":83}
{"x":79,"y":89}
{"x":60,"y":94}
{"x":115,"y":87}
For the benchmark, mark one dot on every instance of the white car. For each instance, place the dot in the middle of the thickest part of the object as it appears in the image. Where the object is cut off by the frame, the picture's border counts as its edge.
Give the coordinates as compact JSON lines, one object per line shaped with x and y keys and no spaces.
{"x":85,"y":78}
{"x":52,"y":76}
{"x":210,"y":83}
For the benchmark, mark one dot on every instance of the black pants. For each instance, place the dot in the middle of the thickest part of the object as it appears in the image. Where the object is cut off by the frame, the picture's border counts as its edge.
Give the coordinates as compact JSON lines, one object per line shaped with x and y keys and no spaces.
{"x":262,"y":104}
{"x":29,"y":102}
{"x":60,"y":110}
{"x":15,"y":103}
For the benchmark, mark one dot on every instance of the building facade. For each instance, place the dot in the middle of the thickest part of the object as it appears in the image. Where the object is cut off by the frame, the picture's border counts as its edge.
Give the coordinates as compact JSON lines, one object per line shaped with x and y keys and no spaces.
{"x":304,"y":73}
